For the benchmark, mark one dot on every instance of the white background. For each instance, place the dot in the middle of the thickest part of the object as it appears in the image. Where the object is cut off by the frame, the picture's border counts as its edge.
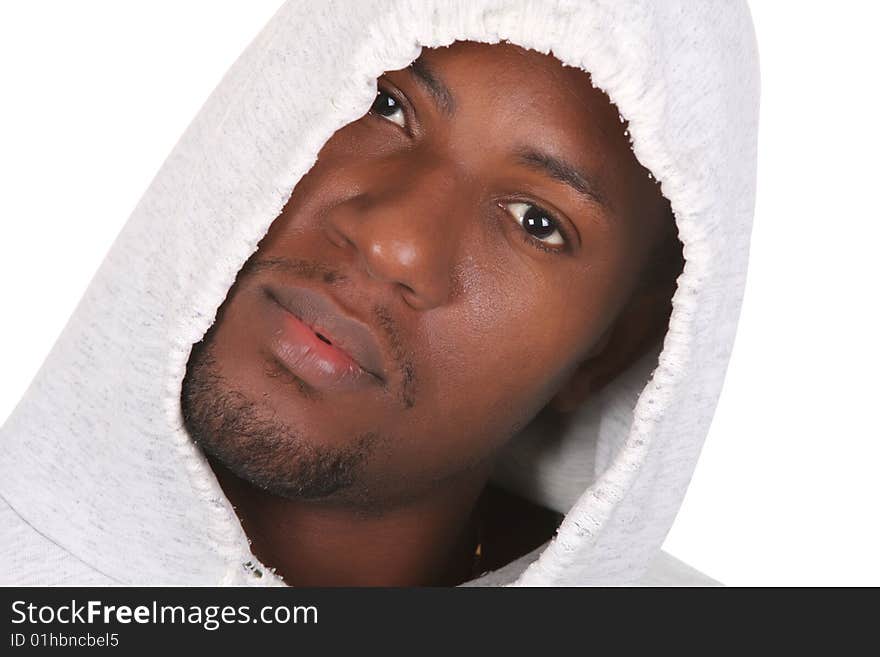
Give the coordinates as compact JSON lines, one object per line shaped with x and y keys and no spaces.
{"x":96,"y":93}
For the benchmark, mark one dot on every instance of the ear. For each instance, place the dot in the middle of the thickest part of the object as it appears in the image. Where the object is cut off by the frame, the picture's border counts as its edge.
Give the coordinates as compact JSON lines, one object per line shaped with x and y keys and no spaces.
{"x":641,"y":323}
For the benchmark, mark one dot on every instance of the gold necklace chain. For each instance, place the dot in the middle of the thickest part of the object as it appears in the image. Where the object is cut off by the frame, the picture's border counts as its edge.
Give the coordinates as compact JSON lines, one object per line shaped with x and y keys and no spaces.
{"x":477,"y":559}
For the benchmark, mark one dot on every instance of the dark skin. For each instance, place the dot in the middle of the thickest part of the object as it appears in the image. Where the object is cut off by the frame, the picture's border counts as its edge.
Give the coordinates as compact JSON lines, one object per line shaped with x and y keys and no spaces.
{"x":497,"y":291}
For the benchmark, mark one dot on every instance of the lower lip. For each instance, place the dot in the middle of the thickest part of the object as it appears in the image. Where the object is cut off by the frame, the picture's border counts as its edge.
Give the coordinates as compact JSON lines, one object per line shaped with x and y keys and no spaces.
{"x":319,"y":364}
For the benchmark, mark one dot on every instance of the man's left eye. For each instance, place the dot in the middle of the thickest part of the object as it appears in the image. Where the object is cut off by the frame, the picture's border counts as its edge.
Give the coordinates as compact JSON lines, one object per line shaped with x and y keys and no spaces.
{"x":540,"y":227}
{"x":387,"y":106}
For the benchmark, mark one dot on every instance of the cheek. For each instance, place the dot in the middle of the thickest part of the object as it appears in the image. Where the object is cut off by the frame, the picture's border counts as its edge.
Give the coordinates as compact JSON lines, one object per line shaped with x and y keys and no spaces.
{"x":494,"y":360}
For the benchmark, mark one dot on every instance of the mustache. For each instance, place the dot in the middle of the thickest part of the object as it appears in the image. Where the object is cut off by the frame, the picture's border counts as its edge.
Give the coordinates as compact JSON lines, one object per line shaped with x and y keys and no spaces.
{"x":301,"y":269}
{"x":380,"y":316}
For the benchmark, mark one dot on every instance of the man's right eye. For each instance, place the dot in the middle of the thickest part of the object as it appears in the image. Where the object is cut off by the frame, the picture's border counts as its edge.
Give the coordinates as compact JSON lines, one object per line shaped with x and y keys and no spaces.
{"x":388,"y":106}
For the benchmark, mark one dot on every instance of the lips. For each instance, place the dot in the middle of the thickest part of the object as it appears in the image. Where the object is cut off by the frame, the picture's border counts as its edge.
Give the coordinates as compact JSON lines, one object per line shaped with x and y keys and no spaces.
{"x":334,"y":345}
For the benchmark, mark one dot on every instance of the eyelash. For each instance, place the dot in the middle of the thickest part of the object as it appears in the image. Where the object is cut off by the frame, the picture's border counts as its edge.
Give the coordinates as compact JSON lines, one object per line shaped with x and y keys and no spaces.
{"x":528,"y":239}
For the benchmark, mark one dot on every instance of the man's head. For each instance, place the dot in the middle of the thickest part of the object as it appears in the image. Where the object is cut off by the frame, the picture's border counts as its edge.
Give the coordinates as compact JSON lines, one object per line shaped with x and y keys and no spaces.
{"x":489,"y":223}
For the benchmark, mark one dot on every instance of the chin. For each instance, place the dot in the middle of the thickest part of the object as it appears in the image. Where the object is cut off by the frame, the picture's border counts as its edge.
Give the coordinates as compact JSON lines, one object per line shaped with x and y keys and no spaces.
{"x":248,"y":438}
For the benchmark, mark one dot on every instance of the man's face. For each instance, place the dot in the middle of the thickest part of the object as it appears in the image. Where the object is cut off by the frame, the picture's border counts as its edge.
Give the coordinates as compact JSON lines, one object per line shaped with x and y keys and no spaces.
{"x":447,"y":221}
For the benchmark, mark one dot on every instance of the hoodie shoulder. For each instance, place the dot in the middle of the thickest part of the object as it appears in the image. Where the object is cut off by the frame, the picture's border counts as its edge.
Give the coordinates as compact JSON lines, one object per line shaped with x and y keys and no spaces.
{"x":29,"y":558}
{"x":666,"y":570}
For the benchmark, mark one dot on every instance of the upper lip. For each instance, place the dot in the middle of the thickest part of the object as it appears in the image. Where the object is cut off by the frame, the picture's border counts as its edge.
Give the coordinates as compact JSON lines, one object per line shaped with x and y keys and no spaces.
{"x":323,"y":315}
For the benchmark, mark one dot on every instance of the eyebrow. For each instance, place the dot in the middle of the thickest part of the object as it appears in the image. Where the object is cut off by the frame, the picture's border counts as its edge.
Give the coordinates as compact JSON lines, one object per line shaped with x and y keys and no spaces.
{"x":551,"y":165}
{"x":434,"y":85}
{"x":563,"y":171}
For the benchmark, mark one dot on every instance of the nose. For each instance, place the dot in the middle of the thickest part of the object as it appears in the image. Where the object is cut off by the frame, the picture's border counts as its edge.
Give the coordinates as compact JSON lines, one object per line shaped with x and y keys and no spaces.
{"x":405,"y":226}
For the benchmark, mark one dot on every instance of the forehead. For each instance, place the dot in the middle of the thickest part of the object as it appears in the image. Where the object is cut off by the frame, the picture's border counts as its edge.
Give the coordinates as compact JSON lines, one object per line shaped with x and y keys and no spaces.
{"x":525,"y":83}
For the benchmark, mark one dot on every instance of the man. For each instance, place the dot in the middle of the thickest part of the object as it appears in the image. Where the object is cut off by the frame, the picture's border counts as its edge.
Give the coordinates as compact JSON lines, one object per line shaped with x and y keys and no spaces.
{"x":466,"y":323}
{"x":485,"y":243}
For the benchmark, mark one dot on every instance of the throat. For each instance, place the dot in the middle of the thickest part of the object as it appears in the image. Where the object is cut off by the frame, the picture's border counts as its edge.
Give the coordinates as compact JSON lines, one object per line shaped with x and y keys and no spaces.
{"x":428,"y":542}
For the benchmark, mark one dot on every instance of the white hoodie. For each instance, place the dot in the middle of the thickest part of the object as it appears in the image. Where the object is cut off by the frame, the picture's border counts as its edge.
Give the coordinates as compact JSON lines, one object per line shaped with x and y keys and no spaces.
{"x":100,"y":482}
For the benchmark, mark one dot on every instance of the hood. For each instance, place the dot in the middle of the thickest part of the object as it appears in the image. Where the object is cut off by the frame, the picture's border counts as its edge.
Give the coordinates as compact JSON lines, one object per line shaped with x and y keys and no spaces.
{"x":95,"y":456}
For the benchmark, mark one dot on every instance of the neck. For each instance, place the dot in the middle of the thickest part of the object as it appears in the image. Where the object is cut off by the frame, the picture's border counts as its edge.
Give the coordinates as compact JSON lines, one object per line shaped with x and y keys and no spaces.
{"x":426,"y":542}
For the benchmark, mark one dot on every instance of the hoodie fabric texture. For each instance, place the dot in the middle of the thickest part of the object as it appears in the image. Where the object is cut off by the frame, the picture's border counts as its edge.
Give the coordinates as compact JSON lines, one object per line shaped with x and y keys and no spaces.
{"x":100,"y":482}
